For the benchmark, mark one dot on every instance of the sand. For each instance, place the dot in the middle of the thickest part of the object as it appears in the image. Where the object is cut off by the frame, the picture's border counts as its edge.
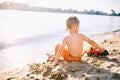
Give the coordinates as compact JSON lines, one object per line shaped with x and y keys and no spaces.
{"x":89,"y":68}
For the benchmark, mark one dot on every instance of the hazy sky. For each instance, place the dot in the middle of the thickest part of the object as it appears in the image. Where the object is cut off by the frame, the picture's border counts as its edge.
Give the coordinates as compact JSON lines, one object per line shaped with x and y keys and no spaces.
{"x":103,"y":5}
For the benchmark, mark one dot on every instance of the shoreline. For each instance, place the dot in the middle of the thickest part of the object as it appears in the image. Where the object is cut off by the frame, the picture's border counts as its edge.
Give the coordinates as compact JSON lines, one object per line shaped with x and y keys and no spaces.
{"x":110,"y":38}
{"x":106,"y":35}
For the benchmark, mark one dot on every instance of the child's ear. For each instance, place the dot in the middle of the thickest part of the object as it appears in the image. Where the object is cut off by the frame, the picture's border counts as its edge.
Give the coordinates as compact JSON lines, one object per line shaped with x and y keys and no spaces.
{"x":66,"y":29}
{"x":77,"y":27}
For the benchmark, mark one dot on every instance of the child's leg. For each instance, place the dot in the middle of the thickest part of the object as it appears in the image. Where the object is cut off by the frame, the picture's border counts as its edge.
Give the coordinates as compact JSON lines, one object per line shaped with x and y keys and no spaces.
{"x":52,"y":57}
{"x":57,"y":47}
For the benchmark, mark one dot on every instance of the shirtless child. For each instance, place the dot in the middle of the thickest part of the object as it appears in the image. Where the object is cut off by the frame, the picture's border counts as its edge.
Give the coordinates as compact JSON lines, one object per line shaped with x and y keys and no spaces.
{"x":74,"y":43}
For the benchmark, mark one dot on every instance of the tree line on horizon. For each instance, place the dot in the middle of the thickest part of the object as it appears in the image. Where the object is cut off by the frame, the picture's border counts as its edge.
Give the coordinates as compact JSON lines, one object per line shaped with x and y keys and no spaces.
{"x":26,"y":7}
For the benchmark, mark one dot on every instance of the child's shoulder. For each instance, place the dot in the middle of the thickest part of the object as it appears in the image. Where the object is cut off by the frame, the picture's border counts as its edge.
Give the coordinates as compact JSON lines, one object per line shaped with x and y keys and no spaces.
{"x":65,"y":38}
{"x":80,"y":34}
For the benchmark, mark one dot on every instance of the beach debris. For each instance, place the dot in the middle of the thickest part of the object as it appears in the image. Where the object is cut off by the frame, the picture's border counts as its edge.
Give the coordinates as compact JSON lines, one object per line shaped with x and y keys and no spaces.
{"x":115,"y":76}
{"x":112,"y":46}
{"x":73,"y":68}
{"x":11,"y":78}
{"x":36,"y":68}
{"x":58,"y":74}
{"x":47,"y":71}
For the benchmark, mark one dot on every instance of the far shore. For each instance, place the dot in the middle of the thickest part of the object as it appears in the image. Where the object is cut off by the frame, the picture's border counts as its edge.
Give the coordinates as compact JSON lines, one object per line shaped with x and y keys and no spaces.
{"x":26,"y":7}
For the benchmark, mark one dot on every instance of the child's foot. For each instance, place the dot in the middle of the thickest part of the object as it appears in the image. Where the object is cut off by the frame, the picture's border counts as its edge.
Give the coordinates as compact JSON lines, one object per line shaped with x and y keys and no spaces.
{"x":50,"y":57}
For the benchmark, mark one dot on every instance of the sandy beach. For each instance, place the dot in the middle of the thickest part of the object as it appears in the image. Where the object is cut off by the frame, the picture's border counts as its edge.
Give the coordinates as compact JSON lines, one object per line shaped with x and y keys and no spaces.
{"x":89,"y":68}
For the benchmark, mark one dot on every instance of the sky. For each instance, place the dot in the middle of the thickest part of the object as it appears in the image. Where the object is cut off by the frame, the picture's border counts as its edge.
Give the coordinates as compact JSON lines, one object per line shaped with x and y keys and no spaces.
{"x":101,"y":5}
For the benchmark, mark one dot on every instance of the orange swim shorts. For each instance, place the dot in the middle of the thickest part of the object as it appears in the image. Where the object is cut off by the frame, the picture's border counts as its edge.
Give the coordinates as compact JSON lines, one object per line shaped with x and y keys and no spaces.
{"x":68,"y":57}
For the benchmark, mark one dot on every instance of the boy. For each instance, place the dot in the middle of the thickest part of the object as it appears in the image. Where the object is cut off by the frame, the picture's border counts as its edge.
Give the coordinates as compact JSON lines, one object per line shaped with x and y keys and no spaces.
{"x":74,"y":43}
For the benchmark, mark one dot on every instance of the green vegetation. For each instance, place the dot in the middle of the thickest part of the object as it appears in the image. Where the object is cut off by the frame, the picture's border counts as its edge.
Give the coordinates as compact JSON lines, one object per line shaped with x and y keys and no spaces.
{"x":26,"y":7}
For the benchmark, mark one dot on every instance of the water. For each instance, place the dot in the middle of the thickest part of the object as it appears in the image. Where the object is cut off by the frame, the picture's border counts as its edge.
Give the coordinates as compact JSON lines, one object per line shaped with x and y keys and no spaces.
{"x":30,"y":35}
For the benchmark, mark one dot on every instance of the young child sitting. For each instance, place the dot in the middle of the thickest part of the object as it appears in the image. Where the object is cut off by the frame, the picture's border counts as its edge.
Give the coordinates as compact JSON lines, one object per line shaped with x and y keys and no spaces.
{"x":74,"y":43}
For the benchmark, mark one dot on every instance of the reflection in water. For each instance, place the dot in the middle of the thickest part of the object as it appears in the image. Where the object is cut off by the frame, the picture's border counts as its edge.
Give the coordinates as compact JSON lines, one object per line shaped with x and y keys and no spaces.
{"x":21,"y":55}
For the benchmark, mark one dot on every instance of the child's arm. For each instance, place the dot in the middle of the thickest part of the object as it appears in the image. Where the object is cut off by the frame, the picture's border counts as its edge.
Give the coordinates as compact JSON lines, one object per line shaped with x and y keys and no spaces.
{"x":92,"y":42}
{"x":60,"y":50}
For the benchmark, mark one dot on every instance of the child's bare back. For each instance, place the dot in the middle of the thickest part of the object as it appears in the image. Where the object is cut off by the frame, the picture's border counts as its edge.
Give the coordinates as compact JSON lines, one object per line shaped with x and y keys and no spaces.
{"x":74,"y":43}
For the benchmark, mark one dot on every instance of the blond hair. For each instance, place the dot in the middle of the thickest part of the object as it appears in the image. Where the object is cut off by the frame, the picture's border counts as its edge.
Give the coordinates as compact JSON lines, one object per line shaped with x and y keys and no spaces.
{"x":71,"y":22}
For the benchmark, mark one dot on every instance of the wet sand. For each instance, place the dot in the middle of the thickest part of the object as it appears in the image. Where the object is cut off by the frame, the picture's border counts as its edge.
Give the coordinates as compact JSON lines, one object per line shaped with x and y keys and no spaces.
{"x":89,"y":68}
